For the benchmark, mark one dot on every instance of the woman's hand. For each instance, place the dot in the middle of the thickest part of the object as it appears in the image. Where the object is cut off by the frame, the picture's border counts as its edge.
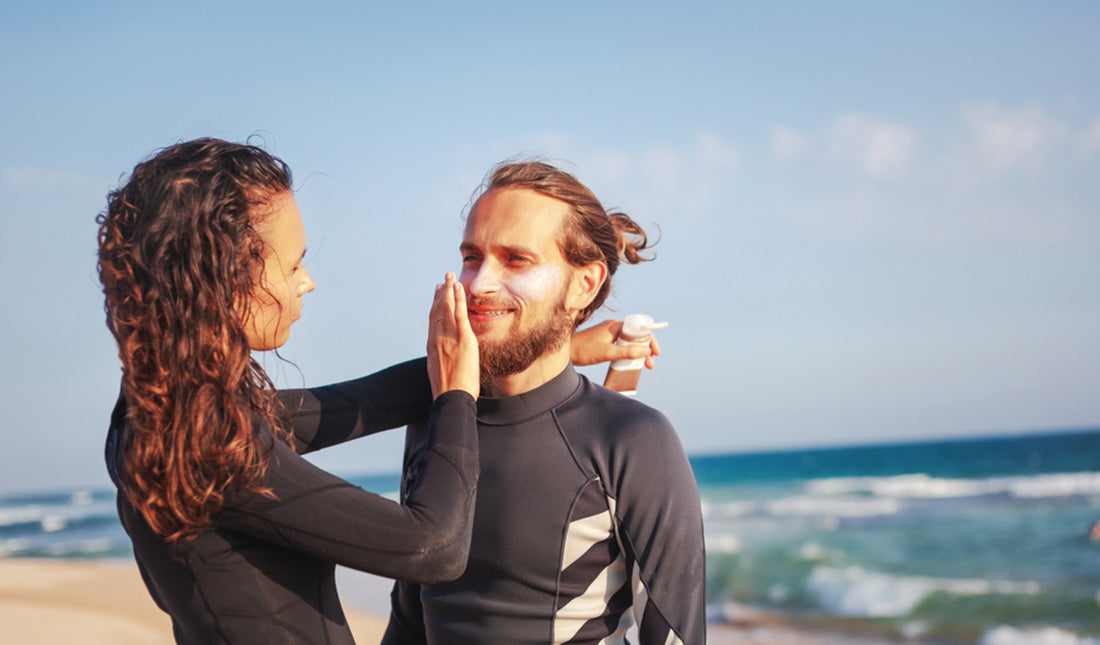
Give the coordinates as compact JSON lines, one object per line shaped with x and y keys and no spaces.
{"x":597,"y":345}
{"x":452,"y":346}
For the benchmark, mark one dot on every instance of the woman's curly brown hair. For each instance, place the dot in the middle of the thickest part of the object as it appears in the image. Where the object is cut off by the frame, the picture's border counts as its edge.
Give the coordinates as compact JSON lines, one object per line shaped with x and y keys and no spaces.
{"x":179,"y":258}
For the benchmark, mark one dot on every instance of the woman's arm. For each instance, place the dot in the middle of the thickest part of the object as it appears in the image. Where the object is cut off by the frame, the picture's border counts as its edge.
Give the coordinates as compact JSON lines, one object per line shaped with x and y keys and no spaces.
{"x":426,"y":540}
{"x":325,"y":416}
{"x":596,"y":344}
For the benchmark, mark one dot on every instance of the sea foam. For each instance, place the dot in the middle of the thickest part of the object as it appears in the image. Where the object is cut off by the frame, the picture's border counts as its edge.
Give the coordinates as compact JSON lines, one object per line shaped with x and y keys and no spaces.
{"x":841,"y":506}
{"x":858,"y":592}
{"x":52,"y":518}
{"x":722,"y":543}
{"x":75,"y":548}
{"x":1005,"y":635}
{"x":923,"y":486}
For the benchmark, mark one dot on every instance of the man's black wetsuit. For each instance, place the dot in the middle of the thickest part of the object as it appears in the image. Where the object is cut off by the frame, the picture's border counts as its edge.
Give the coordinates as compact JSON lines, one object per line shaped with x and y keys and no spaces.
{"x":587,"y":514}
{"x":264,"y":572}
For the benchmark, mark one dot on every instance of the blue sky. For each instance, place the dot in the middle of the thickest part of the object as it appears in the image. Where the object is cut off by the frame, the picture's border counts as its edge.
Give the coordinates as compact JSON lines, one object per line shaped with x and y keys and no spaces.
{"x":880,"y":221}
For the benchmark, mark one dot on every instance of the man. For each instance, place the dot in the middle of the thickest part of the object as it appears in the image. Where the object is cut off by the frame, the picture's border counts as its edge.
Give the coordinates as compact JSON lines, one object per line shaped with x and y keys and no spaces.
{"x":587,"y":517}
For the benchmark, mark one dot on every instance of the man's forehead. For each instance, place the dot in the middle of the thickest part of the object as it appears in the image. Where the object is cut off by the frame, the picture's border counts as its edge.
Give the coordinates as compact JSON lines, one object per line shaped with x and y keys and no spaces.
{"x":515,"y":216}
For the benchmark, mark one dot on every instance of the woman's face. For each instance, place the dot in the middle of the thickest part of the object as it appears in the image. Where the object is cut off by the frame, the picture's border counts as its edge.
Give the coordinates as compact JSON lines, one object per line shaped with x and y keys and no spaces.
{"x":277,"y":297}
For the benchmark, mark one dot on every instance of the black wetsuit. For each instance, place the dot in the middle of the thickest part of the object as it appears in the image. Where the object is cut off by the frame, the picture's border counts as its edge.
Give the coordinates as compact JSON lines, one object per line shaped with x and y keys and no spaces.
{"x":588,"y":519}
{"x":264,"y":572}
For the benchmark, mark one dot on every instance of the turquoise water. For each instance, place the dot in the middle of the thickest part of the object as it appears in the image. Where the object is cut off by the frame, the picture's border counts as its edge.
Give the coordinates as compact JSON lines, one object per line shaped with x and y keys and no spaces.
{"x":966,"y":541}
{"x":952,"y":541}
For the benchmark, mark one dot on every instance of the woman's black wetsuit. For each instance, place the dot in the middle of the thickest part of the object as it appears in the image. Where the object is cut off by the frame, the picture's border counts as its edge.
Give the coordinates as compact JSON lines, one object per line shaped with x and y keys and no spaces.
{"x":264,"y":571}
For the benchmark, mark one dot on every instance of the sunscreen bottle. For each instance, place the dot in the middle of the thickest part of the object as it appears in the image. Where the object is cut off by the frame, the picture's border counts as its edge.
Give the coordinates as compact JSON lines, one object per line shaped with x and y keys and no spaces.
{"x":623,"y":374}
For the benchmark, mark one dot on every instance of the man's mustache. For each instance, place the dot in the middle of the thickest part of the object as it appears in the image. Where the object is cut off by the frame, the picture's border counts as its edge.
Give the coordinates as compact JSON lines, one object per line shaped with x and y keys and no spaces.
{"x":489,"y":303}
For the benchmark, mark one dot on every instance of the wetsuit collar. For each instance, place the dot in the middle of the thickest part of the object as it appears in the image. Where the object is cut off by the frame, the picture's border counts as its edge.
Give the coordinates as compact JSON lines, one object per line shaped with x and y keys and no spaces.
{"x":514,"y":409}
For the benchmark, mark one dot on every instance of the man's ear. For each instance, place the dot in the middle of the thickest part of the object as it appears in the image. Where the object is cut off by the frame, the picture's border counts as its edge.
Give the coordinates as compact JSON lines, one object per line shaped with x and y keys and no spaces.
{"x":584,"y":285}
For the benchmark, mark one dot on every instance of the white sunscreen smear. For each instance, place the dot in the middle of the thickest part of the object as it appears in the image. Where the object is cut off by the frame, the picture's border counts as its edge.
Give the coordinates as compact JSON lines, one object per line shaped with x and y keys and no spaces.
{"x":535,"y":284}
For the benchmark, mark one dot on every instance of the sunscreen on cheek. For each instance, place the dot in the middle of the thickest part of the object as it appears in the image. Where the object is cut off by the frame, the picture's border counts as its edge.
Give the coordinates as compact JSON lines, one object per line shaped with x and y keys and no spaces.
{"x":535,"y":284}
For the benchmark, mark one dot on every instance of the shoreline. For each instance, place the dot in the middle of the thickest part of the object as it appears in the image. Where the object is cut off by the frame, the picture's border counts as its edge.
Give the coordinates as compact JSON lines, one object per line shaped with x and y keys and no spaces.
{"x":104,"y":602}
{"x":101,"y":602}
{"x":370,"y":594}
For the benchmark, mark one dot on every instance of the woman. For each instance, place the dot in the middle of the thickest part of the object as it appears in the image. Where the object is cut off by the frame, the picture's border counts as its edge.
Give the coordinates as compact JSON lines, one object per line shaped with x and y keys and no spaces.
{"x":236,"y":535}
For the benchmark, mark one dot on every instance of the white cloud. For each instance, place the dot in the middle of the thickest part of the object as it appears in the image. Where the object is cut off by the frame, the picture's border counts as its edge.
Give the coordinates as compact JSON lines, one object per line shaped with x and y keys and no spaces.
{"x":936,"y":217}
{"x":878,"y":147}
{"x":610,"y":166}
{"x":27,"y":178}
{"x":711,"y":150}
{"x":685,"y":178}
{"x":1004,"y":139}
{"x":71,"y":195}
{"x":548,"y":144}
{"x":1091,"y":138}
{"x":663,"y":167}
{"x":787,"y":145}
{"x":955,"y":189}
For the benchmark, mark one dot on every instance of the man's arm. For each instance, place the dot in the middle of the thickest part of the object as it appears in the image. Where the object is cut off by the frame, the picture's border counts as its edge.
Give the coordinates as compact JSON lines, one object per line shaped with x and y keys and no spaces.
{"x":331,"y":414}
{"x":661,"y":526}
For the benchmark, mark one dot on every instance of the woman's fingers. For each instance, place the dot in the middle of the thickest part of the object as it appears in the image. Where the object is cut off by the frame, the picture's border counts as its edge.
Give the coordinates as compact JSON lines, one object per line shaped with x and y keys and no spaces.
{"x":449,"y":299}
{"x":595,"y":344}
{"x":462,"y":314}
{"x":443,"y":306}
{"x":436,"y":328}
{"x":452,"y":352}
{"x":654,"y":350}
{"x":436,"y":313}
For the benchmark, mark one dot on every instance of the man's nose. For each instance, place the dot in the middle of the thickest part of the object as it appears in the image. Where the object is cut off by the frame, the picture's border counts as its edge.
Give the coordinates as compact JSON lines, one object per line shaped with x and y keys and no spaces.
{"x":485,"y":280}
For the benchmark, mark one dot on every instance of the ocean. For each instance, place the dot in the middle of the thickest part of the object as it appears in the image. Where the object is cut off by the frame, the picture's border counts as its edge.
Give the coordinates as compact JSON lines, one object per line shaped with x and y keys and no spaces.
{"x":982,"y":540}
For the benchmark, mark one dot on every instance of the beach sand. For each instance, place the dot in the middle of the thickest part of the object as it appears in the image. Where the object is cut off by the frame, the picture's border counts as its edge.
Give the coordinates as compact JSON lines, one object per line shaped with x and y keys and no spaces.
{"x":61,"y":602}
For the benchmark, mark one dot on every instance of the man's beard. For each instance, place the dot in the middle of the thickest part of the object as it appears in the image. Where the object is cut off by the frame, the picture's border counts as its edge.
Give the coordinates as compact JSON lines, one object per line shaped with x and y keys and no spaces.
{"x":519,"y":350}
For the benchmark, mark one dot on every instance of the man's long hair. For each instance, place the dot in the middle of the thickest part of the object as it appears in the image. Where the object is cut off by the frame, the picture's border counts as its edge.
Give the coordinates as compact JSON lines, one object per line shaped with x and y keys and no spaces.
{"x":179,"y":259}
{"x":591,"y":234}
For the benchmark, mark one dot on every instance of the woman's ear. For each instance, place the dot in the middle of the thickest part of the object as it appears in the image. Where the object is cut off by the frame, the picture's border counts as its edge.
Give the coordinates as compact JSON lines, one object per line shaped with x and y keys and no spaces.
{"x":584,"y":285}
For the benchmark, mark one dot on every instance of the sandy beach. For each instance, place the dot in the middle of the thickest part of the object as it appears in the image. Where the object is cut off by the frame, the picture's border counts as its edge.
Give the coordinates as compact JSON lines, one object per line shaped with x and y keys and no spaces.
{"x":60,"y":602}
